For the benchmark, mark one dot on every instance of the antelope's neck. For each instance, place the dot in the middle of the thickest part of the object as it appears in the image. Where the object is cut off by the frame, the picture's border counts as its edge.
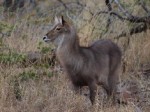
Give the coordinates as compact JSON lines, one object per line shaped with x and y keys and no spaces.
{"x":68,"y":50}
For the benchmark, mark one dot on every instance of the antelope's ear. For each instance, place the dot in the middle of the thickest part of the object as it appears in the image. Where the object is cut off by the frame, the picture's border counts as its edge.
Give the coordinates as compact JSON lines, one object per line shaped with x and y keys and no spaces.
{"x":62,"y":19}
{"x":59,"y":20}
{"x":56,"y":20}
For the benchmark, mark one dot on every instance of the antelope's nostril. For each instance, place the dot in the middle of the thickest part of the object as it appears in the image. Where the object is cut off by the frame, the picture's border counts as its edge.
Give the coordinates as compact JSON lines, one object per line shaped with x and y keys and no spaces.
{"x":44,"y":37}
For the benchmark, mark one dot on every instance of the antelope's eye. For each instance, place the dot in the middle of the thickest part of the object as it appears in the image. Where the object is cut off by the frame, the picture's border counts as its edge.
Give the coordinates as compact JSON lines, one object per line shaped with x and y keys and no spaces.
{"x":58,"y":28}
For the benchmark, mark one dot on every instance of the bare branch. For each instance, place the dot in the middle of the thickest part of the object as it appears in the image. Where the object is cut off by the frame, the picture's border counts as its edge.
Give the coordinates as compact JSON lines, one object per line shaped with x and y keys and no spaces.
{"x":125,"y":15}
{"x":138,"y":29}
{"x":78,"y":3}
{"x":125,"y":12}
{"x":134,"y":19}
{"x":65,"y":6}
{"x":109,"y":9}
{"x":130,"y":17}
{"x":144,"y":6}
{"x":108,"y":5}
{"x":111,"y":13}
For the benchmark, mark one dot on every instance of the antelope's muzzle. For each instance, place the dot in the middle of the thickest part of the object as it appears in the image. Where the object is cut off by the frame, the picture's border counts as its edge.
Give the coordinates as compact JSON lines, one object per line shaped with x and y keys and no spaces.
{"x":45,"y":38}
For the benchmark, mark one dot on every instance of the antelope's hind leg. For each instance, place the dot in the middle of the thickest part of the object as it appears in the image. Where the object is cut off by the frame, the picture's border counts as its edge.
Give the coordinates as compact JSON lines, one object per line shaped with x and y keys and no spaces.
{"x":112,"y":82}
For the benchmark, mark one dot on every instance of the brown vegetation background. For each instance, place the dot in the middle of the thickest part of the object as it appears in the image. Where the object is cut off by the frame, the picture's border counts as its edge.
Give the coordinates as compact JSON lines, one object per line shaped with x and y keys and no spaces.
{"x":31,"y":79}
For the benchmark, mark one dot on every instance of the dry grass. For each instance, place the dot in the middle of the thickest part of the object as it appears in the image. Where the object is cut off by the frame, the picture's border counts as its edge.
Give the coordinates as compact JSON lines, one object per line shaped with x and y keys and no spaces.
{"x":44,"y":89}
{"x":48,"y":95}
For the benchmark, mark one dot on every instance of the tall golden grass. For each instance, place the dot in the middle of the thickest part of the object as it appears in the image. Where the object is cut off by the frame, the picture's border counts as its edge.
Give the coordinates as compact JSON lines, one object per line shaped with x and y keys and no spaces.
{"x":54,"y":93}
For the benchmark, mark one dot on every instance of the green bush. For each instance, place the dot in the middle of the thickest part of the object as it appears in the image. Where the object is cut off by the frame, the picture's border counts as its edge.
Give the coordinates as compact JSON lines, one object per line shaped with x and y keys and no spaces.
{"x":32,"y":75}
{"x":6,"y":28}
{"x":25,"y":76}
{"x":44,"y":49}
{"x":12,"y":58}
{"x":50,"y":74}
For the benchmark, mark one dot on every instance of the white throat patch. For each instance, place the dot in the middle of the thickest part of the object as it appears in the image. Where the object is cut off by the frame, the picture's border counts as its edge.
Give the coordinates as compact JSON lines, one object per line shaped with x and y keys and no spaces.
{"x":59,"y":41}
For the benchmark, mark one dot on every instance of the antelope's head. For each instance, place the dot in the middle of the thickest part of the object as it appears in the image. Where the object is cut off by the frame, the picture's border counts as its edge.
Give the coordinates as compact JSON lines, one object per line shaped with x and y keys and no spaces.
{"x":58,"y":31}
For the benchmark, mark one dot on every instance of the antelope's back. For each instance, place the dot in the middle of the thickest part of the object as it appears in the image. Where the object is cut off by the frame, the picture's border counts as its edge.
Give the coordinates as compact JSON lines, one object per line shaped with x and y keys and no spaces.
{"x":106,"y":48}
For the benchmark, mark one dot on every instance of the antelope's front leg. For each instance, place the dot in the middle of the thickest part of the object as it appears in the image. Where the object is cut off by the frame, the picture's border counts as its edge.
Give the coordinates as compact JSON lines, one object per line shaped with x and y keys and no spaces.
{"x":93,"y":90}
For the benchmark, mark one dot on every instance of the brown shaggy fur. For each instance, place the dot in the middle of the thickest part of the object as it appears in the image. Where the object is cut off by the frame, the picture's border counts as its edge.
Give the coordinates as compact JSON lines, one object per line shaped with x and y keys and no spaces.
{"x":90,"y":66}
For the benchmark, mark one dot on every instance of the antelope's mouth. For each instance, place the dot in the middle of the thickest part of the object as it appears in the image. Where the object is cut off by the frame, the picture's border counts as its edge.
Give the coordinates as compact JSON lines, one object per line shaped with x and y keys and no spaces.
{"x":47,"y":40}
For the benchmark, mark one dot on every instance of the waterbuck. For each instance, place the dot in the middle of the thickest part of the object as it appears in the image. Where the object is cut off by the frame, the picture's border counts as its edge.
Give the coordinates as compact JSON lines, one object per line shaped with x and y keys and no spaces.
{"x":90,"y":66}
